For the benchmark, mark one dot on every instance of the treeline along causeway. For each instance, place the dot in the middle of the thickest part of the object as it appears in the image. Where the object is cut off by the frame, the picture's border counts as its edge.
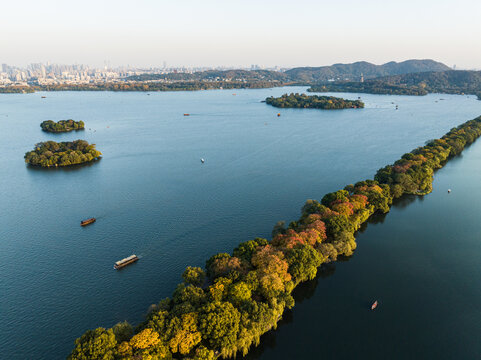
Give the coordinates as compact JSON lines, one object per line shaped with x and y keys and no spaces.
{"x":223,"y":309}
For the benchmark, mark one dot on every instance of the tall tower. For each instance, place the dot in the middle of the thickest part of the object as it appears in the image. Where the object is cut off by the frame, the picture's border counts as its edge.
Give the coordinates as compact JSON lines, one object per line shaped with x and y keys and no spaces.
{"x":362,"y":77}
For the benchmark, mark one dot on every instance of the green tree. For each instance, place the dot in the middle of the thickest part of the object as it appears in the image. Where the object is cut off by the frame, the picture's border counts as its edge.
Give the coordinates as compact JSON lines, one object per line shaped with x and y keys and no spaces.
{"x":303,"y":262}
{"x":98,"y":344}
{"x":194,"y":276}
{"x":123,"y":331}
{"x":246,"y":249}
{"x":219,"y":325}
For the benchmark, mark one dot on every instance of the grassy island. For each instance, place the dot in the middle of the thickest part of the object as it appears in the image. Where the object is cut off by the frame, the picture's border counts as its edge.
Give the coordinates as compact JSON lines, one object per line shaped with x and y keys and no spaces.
{"x":62,"y":125}
{"x":224,"y":308}
{"x":51,"y":153}
{"x":314,"y":102}
{"x":372,"y":87}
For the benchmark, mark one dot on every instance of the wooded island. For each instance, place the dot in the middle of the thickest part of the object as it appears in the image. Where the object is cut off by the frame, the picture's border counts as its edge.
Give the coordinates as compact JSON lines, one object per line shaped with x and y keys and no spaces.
{"x":51,"y":153}
{"x":62,"y":125}
{"x":313,"y":102}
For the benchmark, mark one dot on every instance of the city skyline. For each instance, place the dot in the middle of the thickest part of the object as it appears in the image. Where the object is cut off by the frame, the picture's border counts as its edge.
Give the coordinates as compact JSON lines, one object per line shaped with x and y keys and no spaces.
{"x":214,"y":33}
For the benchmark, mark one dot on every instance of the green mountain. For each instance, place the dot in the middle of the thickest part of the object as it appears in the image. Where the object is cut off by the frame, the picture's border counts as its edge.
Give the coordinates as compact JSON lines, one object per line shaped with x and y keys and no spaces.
{"x":452,"y":81}
{"x":351,"y":72}
{"x":354,"y":71}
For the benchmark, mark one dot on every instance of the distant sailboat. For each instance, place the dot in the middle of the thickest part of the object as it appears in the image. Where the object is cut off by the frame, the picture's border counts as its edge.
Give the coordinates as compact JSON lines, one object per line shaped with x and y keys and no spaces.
{"x":374,"y":305}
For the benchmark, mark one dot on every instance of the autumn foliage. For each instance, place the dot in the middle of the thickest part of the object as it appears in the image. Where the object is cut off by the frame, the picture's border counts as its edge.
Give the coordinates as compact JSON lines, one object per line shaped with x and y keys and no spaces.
{"x":225,"y":309}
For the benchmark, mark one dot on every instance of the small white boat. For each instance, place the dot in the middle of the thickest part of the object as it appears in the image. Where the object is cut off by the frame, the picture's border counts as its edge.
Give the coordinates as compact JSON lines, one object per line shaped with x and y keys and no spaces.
{"x":449,"y":190}
{"x":374,"y":305}
{"x":202,"y":160}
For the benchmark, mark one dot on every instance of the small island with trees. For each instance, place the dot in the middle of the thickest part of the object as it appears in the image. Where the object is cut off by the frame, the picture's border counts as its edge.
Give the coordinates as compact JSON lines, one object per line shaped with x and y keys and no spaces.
{"x":315,"y":102}
{"x":51,"y":153}
{"x":62,"y":125}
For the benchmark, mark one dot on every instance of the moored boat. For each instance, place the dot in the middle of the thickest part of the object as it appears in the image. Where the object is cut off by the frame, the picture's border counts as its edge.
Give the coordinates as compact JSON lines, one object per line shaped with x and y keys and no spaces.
{"x":126,"y":261}
{"x":186,"y":114}
{"x":374,"y":305}
{"x":88,"y":221}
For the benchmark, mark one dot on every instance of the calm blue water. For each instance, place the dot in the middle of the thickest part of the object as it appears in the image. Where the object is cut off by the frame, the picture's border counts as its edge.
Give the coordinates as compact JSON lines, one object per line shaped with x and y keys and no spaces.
{"x":153,"y":197}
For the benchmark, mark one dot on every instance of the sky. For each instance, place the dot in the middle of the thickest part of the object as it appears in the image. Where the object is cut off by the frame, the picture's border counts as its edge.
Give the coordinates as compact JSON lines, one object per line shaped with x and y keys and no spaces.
{"x":146,"y":33}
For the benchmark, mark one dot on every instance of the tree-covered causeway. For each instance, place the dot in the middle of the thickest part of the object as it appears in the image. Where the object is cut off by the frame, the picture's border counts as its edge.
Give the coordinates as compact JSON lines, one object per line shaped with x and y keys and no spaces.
{"x":223,"y":309}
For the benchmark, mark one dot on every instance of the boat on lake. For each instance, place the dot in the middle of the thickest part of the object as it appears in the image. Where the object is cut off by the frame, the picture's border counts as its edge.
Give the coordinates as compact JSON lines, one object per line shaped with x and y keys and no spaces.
{"x":279,"y":114}
{"x":127,"y":261}
{"x":88,"y":221}
{"x":374,"y":305}
{"x":186,"y":114}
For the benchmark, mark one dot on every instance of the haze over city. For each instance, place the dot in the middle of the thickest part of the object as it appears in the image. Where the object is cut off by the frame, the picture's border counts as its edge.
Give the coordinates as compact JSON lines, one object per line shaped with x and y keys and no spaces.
{"x":237,"y":34}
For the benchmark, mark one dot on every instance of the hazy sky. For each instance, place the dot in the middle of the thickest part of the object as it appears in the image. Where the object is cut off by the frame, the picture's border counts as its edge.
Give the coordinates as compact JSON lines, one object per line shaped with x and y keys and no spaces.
{"x":232,"y":32}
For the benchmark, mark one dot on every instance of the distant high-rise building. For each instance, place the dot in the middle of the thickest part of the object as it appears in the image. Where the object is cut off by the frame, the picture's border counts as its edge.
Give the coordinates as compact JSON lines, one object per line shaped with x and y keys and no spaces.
{"x":4,"y":68}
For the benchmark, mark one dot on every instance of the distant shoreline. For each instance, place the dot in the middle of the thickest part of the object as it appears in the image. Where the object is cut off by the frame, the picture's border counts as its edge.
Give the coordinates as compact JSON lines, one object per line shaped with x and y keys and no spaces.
{"x":144,"y":87}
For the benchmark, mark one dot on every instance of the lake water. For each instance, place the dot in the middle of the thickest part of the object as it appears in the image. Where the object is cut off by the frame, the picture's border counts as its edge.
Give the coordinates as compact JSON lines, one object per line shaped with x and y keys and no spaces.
{"x":152,"y":196}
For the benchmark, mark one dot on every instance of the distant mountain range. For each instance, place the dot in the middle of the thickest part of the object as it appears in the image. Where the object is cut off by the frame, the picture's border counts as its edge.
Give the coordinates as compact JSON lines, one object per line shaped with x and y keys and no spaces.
{"x":354,"y":71}
{"x":421,"y":83}
{"x":337,"y":72}
{"x":451,"y":81}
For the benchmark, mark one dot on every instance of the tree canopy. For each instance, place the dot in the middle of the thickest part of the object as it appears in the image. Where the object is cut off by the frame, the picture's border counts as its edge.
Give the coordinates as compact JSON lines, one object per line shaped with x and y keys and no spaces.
{"x":315,"y":102}
{"x":62,"y":125}
{"x":51,"y":153}
{"x":224,"y":309}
